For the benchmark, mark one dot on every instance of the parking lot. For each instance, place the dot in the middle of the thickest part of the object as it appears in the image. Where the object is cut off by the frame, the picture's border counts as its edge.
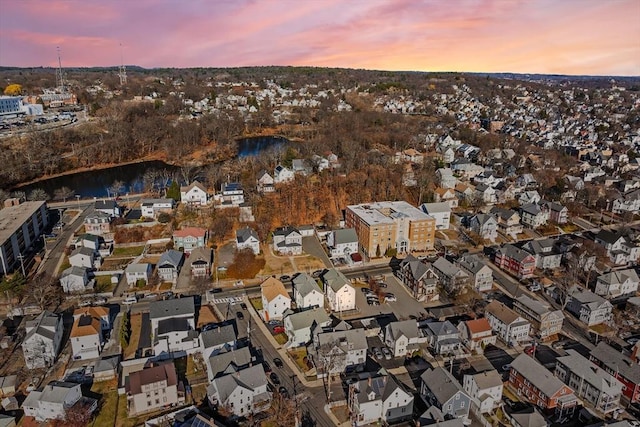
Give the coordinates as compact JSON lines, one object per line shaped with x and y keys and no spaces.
{"x":404,"y":306}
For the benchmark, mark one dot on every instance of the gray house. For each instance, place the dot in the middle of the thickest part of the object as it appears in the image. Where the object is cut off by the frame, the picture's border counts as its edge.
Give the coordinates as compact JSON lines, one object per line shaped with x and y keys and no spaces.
{"x":169,"y":265}
{"x":481,"y":274}
{"x":443,"y":338}
{"x":439,"y":388}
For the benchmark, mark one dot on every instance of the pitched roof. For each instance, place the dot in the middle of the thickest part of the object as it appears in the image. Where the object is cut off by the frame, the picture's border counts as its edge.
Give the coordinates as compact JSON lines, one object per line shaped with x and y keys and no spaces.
{"x":171,"y":258}
{"x":245,"y":234}
{"x":381,"y":387}
{"x":438,"y":207}
{"x":155,"y":374}
{"x":273,"y":287}
{"x":352,"y":339}
{"x":172,"y":307}
{"x":250,"y":378}
{"x":529,"y":419}
{"x":513,"y":252}
{"x":537,"y":374}
{"x":74,"y":270}
{"x":190,"y":232}
{"x":218,"y":336}
{"x":617,"y":362}
{"x":306,"y":319}
{"x":477,"y":326}
{"x":501,"y":312}
{"x":202,"y":255}
{"x":305,"y":284}
{"x":194,"y":184}
{"x":173,"y":324}
{"x":619,"y":276}
{"x":335,"y":279}
{"x":234,"y":358}
{"x":57,"y":391}
{"x":408,"y":328}
{"x":83,"y":251}
{"x":441,"y":384}
{"x":487,"y":379}
{"x":448,"y":269}
{"x":86,"y":325}
{"x":595,"y":376}
{"x":472,"y":263}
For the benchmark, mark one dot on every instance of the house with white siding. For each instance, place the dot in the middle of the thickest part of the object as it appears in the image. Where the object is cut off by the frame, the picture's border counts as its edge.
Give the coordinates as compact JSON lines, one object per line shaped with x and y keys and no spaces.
{"x":379,"y":398}
{"x":307,"y":292}
{"x":242,"y":393}
{"x":617,"y":283}
{"x":440,"y":211}
{"x":194,"y":194}
{"x":338,"y":290}
{"x":275,"y":299}
{"x":511,"y":328}
{"x":484,"y":389}
{"x":42,"y":340}
{"x":247,"y":238}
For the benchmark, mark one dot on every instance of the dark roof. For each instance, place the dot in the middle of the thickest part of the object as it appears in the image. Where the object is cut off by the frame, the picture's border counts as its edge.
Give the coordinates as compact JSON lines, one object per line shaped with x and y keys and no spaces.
{"x":617,"y":362}
{"x":245,"y":233}
{"x":173,"y":324}
{"x":105,"y":204}
{"x":166,"y":372}
{"x":172,"y":307}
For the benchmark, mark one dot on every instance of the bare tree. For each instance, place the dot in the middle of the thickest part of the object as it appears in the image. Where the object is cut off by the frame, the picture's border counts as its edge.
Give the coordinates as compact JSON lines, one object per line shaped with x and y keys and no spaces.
{"x":45,"y":291}
{"x":38,"y":194}
{"x":63,"y":193}
{"x":284,"y":411}
{"x":115,"y":188}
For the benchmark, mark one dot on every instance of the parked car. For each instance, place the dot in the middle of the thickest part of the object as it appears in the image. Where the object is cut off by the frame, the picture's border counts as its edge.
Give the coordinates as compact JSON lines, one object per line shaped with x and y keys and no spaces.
{"x":151,"y":297}
{"x":100,"y":301}
{"x":243,"y":306}
{"x":506,"y":367}
{"x":278,"y":362}
{"x":389,"y":297}
{"x":373,"y":302}
{"x":84,"y":303}
{"x":239,"y":315}
{"x":387,"y":353}
{"x":382,"y":284}
{"x":130,"y":300}
{"x":377,"y":353}
{"x":216,"y":290}
{"x":283,"y":392}
{"x":266,"y":366}
{"x":285,"y":278}
{"x":316,"y":273}
{"x":278,"y":329}
{"x":365,"y":290}
{"x":274,"y":378}
{"x":274,"y":322}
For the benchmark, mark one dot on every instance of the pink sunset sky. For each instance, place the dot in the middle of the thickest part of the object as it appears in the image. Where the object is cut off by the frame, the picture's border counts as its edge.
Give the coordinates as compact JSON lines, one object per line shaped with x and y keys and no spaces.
{"x":597,"y":37}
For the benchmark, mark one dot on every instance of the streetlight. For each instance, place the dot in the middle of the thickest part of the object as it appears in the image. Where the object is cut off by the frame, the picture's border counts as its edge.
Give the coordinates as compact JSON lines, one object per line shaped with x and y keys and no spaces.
{"x":78,"y":200}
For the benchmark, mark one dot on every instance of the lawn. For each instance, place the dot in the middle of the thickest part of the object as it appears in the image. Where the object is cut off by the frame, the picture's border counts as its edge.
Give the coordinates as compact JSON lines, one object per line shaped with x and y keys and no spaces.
{"x":256,"y":303}
{"x":132,"y":251}
{"x":65,"y":264}
{"x":103,"y":284}
{"x":298,"y":356}
{"x":281,"y":338}
{"x":136,"y":324}
{"x":114,"y":264}
{"x":108,"y":405}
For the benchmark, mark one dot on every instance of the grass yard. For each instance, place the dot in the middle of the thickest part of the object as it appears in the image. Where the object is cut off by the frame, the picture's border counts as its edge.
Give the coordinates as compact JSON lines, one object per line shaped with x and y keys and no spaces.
{"x":115,"y":264}
{"x":108,"y":404}
{"x":132,"y":251}
{"x":103,"y":284}
{"x":167,"y":286}
{"x":309,"y":263}
{"x":65,"y":264}
{"x":298,"y":356}
{"x":136,"y":324}
{"x":199,"y":393}
{"x":256,"y":303}
{"x":281,"y":338}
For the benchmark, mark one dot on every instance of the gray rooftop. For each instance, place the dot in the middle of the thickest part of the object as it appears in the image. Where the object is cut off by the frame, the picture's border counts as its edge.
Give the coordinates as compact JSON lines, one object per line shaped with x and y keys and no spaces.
{"x":218,"y":336}
{"x":345,"y":235}
{"x":245,"y":233}
{"x":448,"y":269}
{"x":441,"y":384}
{"x":353,"y":339}
{"x":408,"y":328}
{"x":83,"y":250}
{"x":171,"y":308}
{"x":171,"y":258}
{"x":487,"y":379}
{"x":537,"y":374}
{"x":472,"y":263}
{"x":137,"y":268}
{"x":335,"y":279}
{"x":74,"y":270}
{"x":235,"y":359}
{"x":250,"y":378}
{"x":617,"y":362}
{"x":382,"y":387}
{"x":597,"y":377}
{"x":305,"y":284}
{"x":307,"y":318}
{"x":431,"y":208}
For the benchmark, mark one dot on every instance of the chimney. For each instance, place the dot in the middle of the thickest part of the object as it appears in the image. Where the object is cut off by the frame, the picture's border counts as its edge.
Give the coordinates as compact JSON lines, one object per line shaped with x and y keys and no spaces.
{"x":369,"y":381}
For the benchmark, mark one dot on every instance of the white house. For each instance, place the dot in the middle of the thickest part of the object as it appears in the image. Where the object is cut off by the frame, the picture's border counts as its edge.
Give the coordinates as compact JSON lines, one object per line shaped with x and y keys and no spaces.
{"x":306,"y":291}
{"x":153,"y":388}
{"x":220,"y":339}
{"x":151,"y":208}
{"x":247,"y":238}
{"x":87,"y":333}
{"x":84,"y":257}
{"x":343,"y":242}
{"x":231,"y":195}
{"x":484,"y":389}
{"x":242,"y":393}
{"x":287,"y":240}
{"x":621,"y":249}
{"x":338,"y":290}
{"x":481,"y":274}
{"x":379,"y":398}
{"x":179,"y":308}
{"x":402,"y":337}
{"x":507,"y":324}
{"x":275,"y":299}
{"x":590,"y":308}
{"x":301,"y":326}
{"x":265,"y":183}
{"x":340,"y":351}
{"x":42,"y":340}
{"x":617,"y":283}
{"x":440,"y":211}
{"x":194,"y":194}
{"x":282,"y":174}
{"x":75,"y":279}
{"x":135,"y":272}
{"x":53,"y":400}
{"x":169,"y":265}
{"x":485,"y":226}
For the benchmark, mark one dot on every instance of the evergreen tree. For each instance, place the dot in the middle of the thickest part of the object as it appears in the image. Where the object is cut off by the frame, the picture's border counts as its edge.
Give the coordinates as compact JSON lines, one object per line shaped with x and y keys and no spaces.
{"x":174,"y":191}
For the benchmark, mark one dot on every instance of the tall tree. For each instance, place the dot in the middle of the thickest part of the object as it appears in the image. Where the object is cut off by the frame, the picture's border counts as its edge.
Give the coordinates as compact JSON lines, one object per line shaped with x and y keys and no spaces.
{"x":38,"y":194}
{"x":63,"y":193}
{"x":174,"y":191}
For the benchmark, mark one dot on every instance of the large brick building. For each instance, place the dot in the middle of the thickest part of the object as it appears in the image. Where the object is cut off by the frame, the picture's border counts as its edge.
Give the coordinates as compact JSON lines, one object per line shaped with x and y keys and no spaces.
{"x":21,"y":225}
{"x":391,"y":225}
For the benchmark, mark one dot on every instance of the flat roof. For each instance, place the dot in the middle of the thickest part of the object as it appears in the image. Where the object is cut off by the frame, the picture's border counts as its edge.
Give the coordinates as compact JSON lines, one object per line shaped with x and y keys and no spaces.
{"x":386,"y":212}
{"x":12,"y":218}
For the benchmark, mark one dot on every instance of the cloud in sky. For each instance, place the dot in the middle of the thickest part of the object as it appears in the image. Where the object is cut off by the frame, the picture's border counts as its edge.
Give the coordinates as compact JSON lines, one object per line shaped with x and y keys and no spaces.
{"x":528,"y":36}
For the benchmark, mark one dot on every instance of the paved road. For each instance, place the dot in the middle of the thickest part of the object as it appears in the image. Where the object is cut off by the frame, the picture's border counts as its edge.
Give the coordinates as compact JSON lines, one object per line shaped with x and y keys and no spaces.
{"x":312,"y":246}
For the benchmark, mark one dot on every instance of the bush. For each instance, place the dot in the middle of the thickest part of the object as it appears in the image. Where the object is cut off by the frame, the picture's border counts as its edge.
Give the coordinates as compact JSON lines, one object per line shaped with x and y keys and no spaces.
{"x":164,"y":218}
{"x":245,"y":265}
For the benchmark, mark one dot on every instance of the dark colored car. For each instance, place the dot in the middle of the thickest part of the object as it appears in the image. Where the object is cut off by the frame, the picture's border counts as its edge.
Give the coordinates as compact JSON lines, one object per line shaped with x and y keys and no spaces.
{"x":243,"y":306}
{"x":274,"y":378}
{"x":285,"y":278}
{"x":239,"y":315}
{"x":216,"y":290}
{"x":283,"y":391}
{"x":278,"y":362}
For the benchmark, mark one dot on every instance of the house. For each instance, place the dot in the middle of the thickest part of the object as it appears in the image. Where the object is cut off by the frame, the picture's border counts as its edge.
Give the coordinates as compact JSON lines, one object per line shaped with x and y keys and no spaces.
{"x":452,"y":278}
{"x":275,"y":299}
{"x":484,"y":389}
{"x":75,"y":279}
{"x":590,"y":308}
{"x":153,"y":388}
{"x":306,"y":291}
{"x":401,"y":337}
{"x":480,"y":274}
{"x":343,"y":242}
{"x":242,"y":393}
{"x":54,"y":400}
{"x":419,"y":277}
{"x":84,"y":257}
{"x":534,"y":215}
{"x":486,"y":194}
{"x":176,"y":337}
{"x":97,"y":223}
{"x":189,"y":238}
{"x":547,"y":255}
{"x":338,"y":290}
{"x":169,"y":265}
{"x":629,"y":202}
{"x":222,"y":338}
{"x":340,"y":351}
{"x":447,"y":195}
{"x":228,"y":362}
{"x":508,"y":221}
{"x":151,"y":208}
{"x":440,"y":211}
{"x":476,"y":334}
{"x":465,"y":193}
{"x":485,"y":226}
{"x":546,"y":323}
{"x":231,"y":195}
{"x":590,"y":383}
{"x":88,"y":240}
{"x":440,"y":389}
{"x":528,"y":419}
{"x":247,"y":238}
{"x":282,"y":174}
{"x":42,"y":340}
{"x":536,"y":383}
{"x":179,"y":308}
{"x":8,"y":386}
{"x":620,"y":249}
{"x":617,"y":283}
{"x":515,"y":261}
{"x":558,"y":213}
{"x":109,"y":207}
{"x":307,"y":230}
{"x":445,"y":178}
{"x":301,"y":326}
{"x":443,"y":338}
{"x":529,"y":198}
{"x":300,"y":166}
{"x":135,"y":272}
{"x":379,"y":398}
{"x":287,"y":241}
{"x":88,"y":332}
{"x":194,"y":194}
{"x":621,"y":367}
{"x":265,"y":183}
{"x":200,"y":261}
{"x":508,"y":326}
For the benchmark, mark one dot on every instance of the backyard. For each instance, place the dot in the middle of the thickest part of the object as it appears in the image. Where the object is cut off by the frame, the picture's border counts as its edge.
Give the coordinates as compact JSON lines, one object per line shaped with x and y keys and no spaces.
{"x":132,"y":251}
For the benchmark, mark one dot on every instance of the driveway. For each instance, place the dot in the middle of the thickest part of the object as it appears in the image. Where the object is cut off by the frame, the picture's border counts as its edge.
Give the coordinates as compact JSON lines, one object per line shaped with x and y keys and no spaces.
{"x":312,"y":246}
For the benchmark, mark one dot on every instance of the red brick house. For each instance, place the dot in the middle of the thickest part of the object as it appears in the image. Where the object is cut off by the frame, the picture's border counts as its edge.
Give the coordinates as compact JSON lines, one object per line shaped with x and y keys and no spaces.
{"x":621,"y":367}
{"x":537,"y":384}
{"x":518,"y":262}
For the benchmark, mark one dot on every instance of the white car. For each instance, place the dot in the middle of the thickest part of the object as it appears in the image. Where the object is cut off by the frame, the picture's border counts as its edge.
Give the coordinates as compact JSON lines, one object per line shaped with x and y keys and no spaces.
{"x":390,"y":298}
{"x":130,"y":300}
{"x":387,"y":353}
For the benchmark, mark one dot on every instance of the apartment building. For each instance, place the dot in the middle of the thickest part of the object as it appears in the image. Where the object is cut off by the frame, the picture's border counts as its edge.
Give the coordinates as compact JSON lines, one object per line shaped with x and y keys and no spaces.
{"x":621,"y":367}
{"x":546,"y":322}
{"x":391,"y":225}
{"x":21,"y":225}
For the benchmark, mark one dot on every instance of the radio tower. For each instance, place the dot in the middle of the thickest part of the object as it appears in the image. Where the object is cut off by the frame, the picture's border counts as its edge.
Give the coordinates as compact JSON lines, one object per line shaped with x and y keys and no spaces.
{"x":60,"y":74}
{"x":122,"y":72}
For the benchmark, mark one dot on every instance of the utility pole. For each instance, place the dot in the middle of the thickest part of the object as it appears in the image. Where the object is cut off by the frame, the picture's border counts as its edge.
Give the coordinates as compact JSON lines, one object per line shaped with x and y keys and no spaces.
{"x":122,"y":71}
{"x":21,"y":258}
{"x":78,"y":200}
{"x":60,"y":74}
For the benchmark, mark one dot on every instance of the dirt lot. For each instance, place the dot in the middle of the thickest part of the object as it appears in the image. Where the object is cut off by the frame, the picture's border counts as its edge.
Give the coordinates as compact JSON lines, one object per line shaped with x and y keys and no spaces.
{"x":206,"y":315}
{"x":285,"y":265}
